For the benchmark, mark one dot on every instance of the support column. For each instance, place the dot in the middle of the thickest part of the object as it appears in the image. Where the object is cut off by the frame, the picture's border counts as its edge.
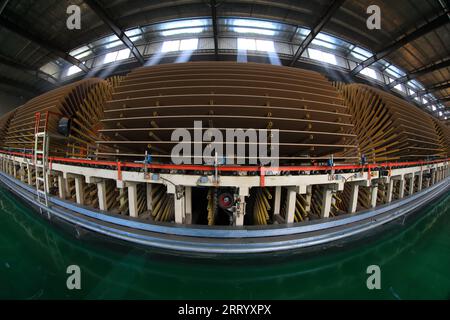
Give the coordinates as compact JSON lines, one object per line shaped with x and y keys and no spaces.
{"x":373,"y":196}
{"x":326,"y":202}
{"x":411,"y":185}
{"x":29,"y":174}
{"x":14,"y":169}
{"x":79,"y":189}
{"x":22,"y":172}
{"x":277,"y":202}
{"x":308,"y":198}
{"x":132,"y":199}
{"x":101,"y":193}
{"x":401,"y":188}
{"x":62,"y":186}
{"x":433,"y":176}
{"x":180,"y":209}
{"x":240,"y":208}
{"x":420,"y":181}
{"x":390,"y":190}
{"x":290,"y":205}
{"x":149,"y":197}
{"x":188,"y":205}
{"x":352,"y":205}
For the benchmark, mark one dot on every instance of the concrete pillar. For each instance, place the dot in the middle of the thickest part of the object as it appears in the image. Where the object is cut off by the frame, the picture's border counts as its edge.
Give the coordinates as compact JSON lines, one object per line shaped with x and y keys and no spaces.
{"x":62,"y":186}
{"x":433,"y":176}
{"x":352,"y":204}
{"x":390,"y":190}
{"x":411,"y":185}
{"x":373,"y":196}
{"x":308,"y":198}
{"x":401,"y":188}
{"x":101,"y":194}
{"x":149,"y":197}
{"x":22,"y":172}
{"x":132,"y":199}
{"x":290,"y":204}
{"x":277,"y":201}
{"x":420,"y":181}
{"x":326,"y":202}
{"x":79,"y":189}
{"x":241,"y":206}
{"x":180,"y":209}
{"x":188,"y":205}
{"x":29,"y":174}
{"x":14,"y":169}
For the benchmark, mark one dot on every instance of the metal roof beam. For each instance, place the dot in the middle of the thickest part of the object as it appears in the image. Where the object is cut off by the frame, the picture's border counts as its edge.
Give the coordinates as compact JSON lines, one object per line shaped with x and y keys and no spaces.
{"x":437,"y":87}
{"x":441,"y":100}
{"x":3,"y":5}
{"x":19,"y":85}
{"x":20,"y":66}
{"x":335,"y":5}
{"x":100,"y":11}
{"x":434,"y":24}
{"x":420,"y":72}
{"x":43,"y":43}
{"x":215,"y":28}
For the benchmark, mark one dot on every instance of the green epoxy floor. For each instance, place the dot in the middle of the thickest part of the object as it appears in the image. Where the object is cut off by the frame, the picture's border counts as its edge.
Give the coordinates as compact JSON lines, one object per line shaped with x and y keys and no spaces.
{"x":414,"y":261}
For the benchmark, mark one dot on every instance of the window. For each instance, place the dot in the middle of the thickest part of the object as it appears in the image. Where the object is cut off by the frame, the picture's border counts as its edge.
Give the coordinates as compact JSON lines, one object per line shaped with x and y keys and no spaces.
{"x":123,"y":54}
{"x":265,"y":45}
{"x":394,"y":71}
{"x":360,"y":53}
{"x":169,"y":46}
{"x":246,"y":44}
{"x":369,"y":72}
{"x":73,"y":70}
{"x":188,"y":44}
{"x":322,"y":56}
{"x":116,"y":56}
{"x":256,"y":45}
{"x":400,"y":88}
{"x":177,"y":45}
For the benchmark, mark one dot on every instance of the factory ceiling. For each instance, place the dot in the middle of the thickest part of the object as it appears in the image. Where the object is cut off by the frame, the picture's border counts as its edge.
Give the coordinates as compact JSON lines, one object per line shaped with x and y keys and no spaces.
{"x":414,"y":37}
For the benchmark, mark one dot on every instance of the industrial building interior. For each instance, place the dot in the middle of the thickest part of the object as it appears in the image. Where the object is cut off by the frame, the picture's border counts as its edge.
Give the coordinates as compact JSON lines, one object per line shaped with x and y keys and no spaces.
{"x":354,"y":97}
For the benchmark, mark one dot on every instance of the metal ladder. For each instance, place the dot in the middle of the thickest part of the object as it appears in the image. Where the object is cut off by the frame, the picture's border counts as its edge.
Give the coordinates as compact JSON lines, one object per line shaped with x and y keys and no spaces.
{"x":41,"y":144}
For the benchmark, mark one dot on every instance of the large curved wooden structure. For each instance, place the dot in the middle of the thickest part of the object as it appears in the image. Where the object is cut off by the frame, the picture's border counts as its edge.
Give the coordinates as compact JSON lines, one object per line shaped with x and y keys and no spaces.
{"x":151,"y":102}
{"x":389,"y":128}
{"x":80,"y":102}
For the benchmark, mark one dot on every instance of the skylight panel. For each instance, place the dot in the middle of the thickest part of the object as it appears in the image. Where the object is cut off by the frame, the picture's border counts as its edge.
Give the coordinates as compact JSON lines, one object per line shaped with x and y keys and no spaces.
{"x":183,"y":27}
{"x":254,"y":26}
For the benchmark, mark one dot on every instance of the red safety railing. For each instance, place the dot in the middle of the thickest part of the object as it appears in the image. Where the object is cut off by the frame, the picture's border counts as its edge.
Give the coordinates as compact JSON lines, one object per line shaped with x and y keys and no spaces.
{"x":119,"y":166}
